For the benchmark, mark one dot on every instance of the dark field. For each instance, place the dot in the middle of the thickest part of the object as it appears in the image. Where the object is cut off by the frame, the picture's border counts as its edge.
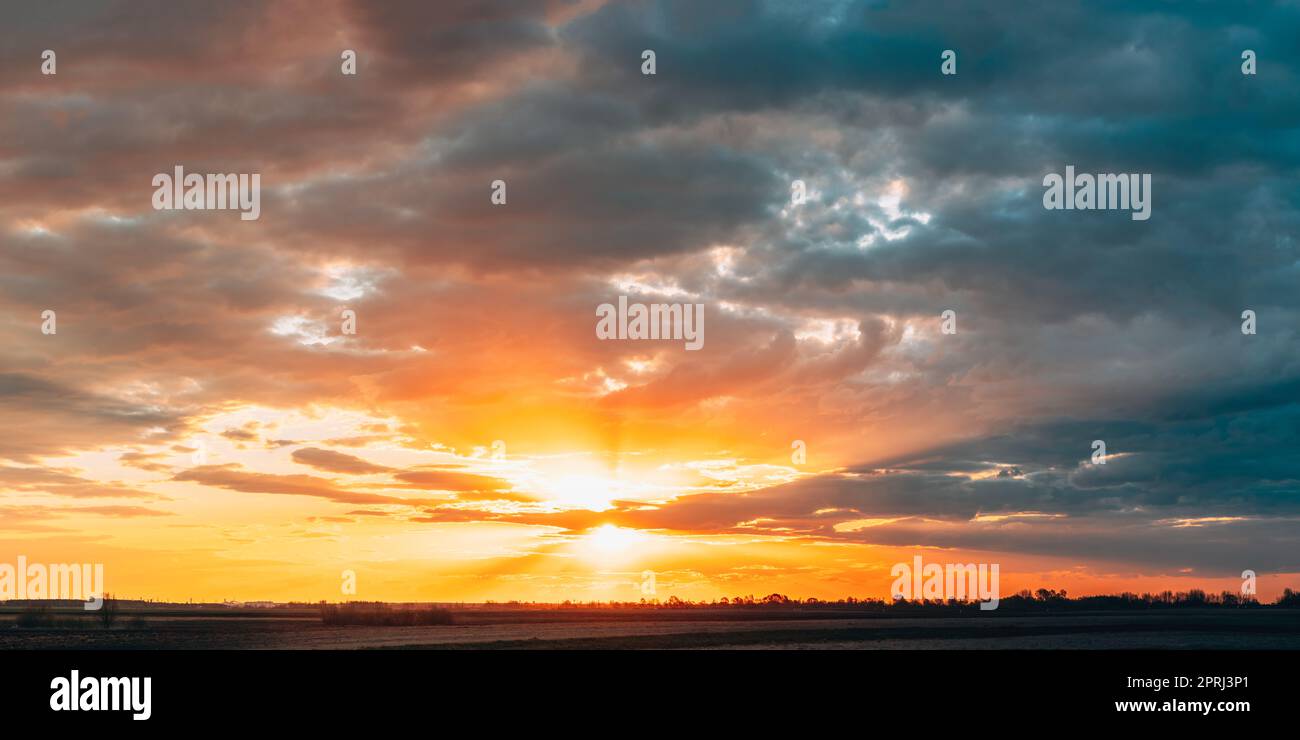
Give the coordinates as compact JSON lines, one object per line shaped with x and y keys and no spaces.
{"x":576,"y":628}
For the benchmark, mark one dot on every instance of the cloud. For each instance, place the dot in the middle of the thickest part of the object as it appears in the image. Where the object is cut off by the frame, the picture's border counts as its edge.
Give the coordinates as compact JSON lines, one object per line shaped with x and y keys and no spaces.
{"x":232,"y":478}
{"x":335,"y":462}
{"x":63,"y":482}
{"x":475,"y":321}
{"x":448,"y":480}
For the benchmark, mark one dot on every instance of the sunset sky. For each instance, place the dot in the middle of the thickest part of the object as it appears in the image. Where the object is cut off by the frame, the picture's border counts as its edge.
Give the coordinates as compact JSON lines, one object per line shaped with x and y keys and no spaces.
{"x":201,"y":425}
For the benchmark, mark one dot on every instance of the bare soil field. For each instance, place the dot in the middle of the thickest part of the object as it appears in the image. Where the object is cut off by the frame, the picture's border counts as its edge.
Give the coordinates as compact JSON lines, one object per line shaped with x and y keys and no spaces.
{"x":285,"y":629}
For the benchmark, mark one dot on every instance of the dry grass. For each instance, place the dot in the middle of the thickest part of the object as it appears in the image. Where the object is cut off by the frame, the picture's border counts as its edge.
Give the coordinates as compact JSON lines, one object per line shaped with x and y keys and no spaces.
{"x":376,"y":614}
{"x":42,"y":617}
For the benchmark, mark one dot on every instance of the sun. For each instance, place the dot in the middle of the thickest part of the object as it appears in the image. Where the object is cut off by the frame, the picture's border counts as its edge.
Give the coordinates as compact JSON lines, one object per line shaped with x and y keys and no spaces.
{"x":610,"y":538}
{"x":607,"y":544}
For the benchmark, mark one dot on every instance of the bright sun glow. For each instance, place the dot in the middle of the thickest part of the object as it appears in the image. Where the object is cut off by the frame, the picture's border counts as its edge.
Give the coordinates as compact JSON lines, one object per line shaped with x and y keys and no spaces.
{"x":583,"y":492}
{"x":608,"y":543}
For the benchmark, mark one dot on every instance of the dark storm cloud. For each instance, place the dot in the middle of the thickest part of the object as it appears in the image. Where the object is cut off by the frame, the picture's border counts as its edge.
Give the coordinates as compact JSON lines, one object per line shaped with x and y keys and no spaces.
{"x":451,"y":39}
{"x":1090,"y":61}
{"x":1039,"y":86}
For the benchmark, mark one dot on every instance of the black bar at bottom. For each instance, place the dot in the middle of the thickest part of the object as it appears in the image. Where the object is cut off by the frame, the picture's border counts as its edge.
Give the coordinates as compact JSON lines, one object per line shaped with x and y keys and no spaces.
{"x":648,"y":688}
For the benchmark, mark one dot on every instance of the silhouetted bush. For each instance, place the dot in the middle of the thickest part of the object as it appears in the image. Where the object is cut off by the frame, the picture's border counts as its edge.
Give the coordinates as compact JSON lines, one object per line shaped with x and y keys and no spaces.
{"x":107,"y":613}
{"x":35,"y":616}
